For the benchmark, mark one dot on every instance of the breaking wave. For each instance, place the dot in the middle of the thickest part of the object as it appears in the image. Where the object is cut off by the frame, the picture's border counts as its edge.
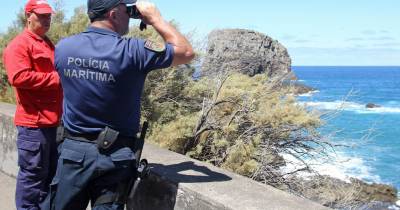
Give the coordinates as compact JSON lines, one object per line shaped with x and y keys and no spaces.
{"x":309,"y":94}
{"x":354,"y":107}
{"x":340,"y":166}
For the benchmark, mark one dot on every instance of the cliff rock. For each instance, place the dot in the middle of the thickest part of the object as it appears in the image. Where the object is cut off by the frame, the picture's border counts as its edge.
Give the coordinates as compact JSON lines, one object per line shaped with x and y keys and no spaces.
{"x":245,"y":51}
{"x":339,"y":194}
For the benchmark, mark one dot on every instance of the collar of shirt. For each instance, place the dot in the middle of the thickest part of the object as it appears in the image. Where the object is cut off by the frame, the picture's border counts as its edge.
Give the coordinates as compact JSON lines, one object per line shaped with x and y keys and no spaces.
{"x":101,"y":31}
{"x":35,"y":36}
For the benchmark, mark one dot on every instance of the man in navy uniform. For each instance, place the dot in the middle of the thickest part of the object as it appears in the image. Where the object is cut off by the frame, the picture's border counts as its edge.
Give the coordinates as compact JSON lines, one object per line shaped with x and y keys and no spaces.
{"x":103,"y":75}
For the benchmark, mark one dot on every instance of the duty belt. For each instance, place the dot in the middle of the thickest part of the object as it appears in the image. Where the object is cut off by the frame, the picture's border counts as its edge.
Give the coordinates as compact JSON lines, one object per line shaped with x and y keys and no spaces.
{"x":104,"y":139}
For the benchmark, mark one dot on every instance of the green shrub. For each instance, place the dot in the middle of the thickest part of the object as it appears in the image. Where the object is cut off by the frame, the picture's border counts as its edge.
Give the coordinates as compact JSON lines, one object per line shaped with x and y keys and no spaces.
{"x":240,"y":123}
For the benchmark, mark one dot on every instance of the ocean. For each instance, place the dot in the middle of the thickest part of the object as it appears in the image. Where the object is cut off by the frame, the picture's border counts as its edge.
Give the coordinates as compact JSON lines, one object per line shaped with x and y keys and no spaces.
{"x":371,"y":135}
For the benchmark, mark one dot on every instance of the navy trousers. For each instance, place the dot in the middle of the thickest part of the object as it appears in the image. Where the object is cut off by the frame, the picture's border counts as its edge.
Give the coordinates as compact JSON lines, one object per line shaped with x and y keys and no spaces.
{"x":37,"y":161}
{"x":84,"y":173}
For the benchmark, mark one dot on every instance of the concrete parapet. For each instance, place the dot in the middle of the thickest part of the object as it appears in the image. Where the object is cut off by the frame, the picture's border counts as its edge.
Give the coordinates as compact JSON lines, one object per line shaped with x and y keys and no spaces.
{"x":8,"y":146}
{"x":181,"y":183}
{"x":177,"y":182}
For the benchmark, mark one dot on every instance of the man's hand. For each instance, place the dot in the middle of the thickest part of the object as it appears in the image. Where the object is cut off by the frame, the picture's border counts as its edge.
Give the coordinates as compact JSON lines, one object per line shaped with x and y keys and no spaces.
{"x":150,"y":15}
{"x":183,"y":51}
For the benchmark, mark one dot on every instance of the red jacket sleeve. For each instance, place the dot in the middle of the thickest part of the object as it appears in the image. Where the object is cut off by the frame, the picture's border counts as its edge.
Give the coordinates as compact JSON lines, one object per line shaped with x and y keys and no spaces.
{"x":21,"y":73}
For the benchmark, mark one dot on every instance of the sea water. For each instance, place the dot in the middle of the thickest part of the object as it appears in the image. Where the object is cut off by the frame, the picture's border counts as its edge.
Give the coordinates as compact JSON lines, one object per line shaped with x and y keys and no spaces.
{"x":371,"y":135}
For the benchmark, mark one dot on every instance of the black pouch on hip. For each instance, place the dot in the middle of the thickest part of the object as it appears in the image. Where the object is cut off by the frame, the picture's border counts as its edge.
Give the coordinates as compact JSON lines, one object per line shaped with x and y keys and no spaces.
{"x":107,"y":138}
{"x":60,"y":134}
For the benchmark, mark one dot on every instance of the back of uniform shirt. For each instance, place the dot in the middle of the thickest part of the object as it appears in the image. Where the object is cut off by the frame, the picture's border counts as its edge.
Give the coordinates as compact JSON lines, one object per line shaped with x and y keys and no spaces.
{"x":103,"y":76}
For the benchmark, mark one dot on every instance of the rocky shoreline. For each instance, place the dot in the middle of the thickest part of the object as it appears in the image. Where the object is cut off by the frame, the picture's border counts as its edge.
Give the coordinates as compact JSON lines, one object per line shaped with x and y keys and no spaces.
{"x":339,"y":194}
{"x":250,"y":53}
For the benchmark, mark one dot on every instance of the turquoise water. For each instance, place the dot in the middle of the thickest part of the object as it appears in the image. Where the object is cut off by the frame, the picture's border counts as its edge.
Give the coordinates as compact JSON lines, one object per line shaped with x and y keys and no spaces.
{"x":373,"y":135}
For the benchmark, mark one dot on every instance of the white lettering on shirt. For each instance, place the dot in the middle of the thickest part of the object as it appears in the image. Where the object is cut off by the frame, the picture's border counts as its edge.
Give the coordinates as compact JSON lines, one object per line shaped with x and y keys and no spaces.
{"x":88,"y":69}
{"x":89,"y":75}
{"x":89,"y":63}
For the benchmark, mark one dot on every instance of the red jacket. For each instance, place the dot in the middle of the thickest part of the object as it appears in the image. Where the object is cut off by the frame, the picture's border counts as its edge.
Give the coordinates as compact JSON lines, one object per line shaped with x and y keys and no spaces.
{"x":29,"y":62}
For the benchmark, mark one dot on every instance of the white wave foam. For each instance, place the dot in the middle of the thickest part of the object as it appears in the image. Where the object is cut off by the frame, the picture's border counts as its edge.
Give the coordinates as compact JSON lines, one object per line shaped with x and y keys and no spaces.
{"x":351,"y":106}
{"x":341,"y":166}
{"x":395,"y":207}
{"x":309,"y":94}
{"x":378,"y":110}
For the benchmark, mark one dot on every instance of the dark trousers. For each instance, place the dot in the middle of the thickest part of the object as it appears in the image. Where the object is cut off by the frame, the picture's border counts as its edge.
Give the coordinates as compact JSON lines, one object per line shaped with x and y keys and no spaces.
{"x":37,"y":161}
{"x":84,"y":173}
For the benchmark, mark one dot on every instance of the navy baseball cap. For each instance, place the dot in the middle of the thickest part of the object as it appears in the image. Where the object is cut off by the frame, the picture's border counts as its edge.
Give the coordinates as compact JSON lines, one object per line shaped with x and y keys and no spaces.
{"x":96,"y":8}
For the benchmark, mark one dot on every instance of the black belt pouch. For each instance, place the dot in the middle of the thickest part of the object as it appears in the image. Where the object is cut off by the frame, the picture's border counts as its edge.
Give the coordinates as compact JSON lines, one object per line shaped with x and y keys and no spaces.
{"x":107,"y":138}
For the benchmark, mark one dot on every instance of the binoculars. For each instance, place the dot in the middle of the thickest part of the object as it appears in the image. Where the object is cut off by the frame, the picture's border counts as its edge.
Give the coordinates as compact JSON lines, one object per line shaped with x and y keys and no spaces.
{"x":133,"y":12}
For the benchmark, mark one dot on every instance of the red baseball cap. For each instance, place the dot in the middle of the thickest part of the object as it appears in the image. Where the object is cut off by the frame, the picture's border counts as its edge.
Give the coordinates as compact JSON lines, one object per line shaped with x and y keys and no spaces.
{"x":38,"y":7}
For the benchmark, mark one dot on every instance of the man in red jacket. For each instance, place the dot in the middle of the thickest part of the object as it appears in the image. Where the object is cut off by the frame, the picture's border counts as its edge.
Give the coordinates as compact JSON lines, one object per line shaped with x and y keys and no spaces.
{"x":29,"y":62}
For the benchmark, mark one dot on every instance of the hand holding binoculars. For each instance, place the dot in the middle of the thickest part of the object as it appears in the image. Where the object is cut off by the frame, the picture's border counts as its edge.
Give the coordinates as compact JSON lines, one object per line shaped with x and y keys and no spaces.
{"x":135,"y":14}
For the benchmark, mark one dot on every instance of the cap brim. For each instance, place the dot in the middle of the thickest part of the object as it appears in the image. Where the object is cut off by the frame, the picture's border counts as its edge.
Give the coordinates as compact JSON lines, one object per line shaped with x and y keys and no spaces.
{"x":128,"y":1}
{"x":45,"y":10}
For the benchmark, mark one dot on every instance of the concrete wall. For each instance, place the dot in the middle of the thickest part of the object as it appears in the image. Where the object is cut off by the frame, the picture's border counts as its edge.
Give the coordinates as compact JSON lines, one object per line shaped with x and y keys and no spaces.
{"x":178,"y":182}
{"x":8,"y":147}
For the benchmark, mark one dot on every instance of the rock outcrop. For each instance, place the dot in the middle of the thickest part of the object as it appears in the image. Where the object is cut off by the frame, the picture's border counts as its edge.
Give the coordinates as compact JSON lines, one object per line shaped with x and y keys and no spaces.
{"x":299,"y":88}
{"x":339,"y":194}
{"x":372,"y":105}
{"x":302,"y":88}
{"x":245,"y":51}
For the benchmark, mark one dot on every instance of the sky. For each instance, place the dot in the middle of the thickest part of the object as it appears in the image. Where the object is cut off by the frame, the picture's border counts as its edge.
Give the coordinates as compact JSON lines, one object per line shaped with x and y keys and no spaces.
{"x":315,"y":32}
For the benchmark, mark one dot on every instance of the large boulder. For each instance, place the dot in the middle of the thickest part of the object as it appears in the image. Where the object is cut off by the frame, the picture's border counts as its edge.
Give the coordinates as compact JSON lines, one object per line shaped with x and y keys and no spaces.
{"x":245,"y":51}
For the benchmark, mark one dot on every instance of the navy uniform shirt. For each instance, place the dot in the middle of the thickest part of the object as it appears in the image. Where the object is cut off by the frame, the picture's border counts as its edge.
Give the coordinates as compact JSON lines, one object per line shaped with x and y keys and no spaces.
{"x":102,"y":75}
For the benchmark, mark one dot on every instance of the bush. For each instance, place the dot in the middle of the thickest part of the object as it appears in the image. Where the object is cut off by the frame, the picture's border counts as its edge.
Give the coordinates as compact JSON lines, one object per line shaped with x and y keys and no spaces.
{"x":241,"y":123}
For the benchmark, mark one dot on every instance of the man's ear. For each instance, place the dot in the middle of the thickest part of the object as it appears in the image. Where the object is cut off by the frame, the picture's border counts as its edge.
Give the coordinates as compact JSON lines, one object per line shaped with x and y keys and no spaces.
{"x":112,"y":14}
